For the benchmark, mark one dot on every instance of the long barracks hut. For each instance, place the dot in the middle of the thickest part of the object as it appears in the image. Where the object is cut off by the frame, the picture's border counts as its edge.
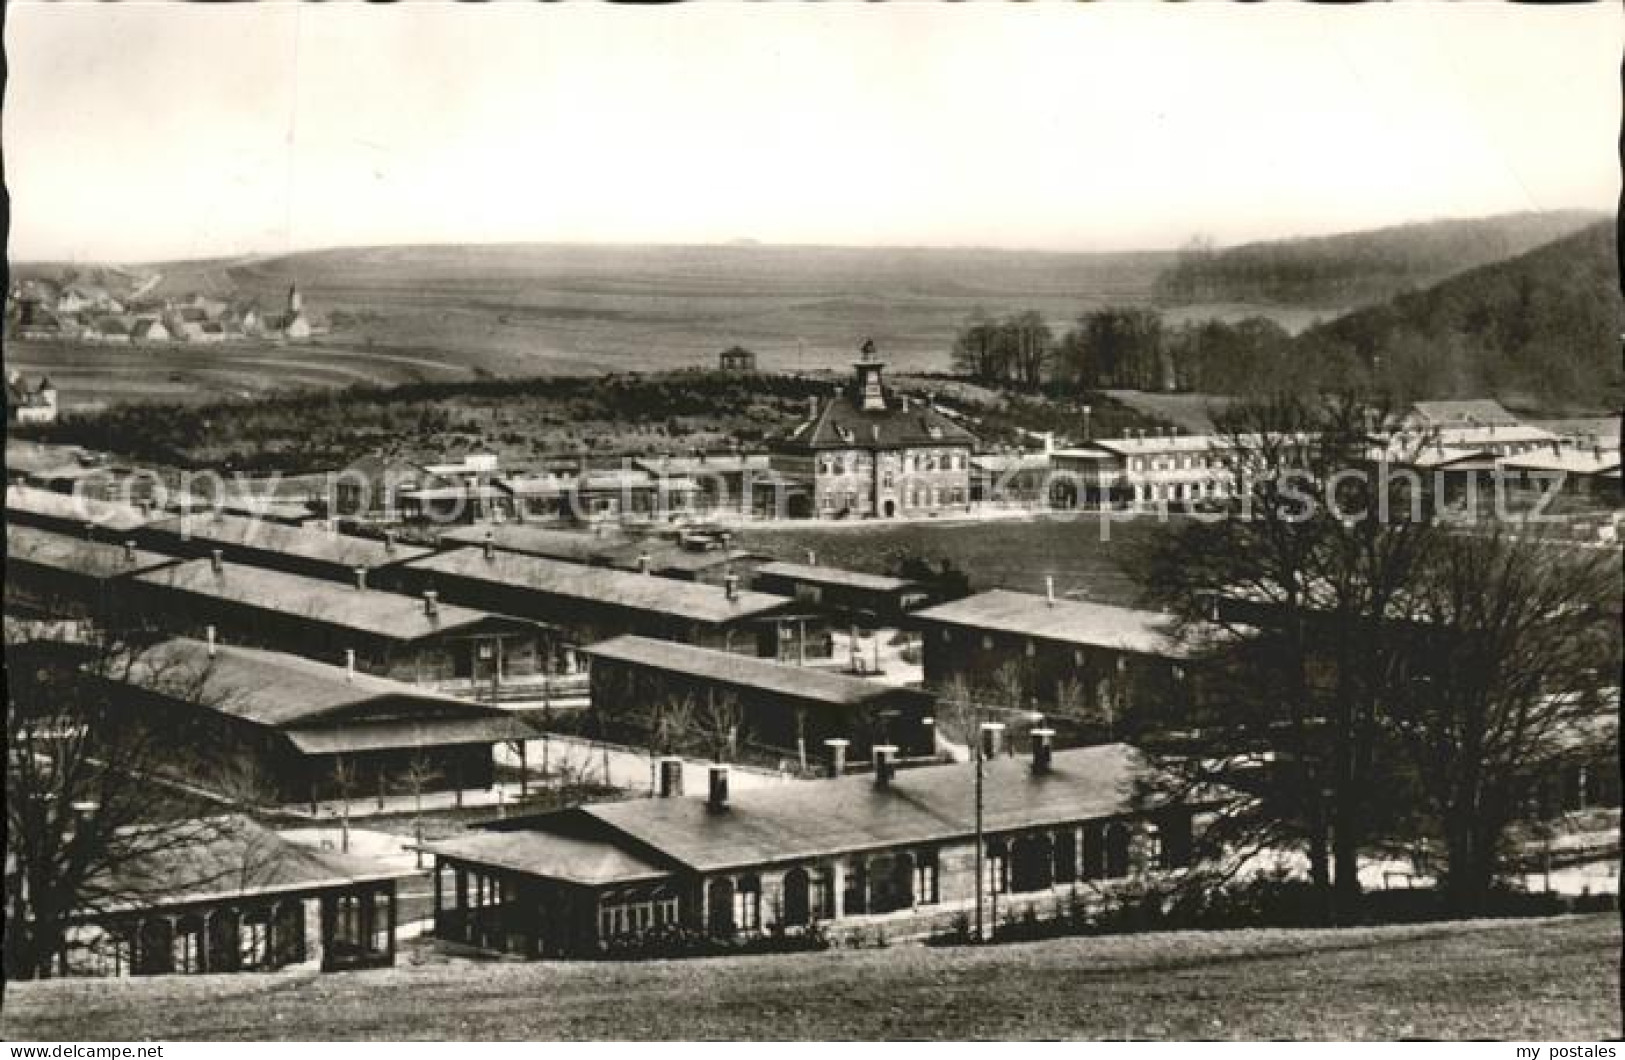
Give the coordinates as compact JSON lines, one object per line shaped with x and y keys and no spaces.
{"x":1077,"y":660}
{"x":894,"y":851}
{"x":779,"y":704}
{"x":308,"y":551}
{"x":283,"y":723}
{"x":51,"y":575}
{"x":228,"y":894}
{"x":592,"y":604}
{"x":854,"y":596}
{"x":420,"y":641}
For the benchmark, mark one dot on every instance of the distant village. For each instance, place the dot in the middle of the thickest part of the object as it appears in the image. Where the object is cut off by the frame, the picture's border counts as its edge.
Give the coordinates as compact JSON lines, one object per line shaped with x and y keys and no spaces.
{"x":45,"y":310}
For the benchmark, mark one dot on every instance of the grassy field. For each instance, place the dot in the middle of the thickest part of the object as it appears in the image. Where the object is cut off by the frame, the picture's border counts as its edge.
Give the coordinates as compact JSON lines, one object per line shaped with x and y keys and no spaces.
{"x":1542,"y":979}
{"x":1011,"y":554}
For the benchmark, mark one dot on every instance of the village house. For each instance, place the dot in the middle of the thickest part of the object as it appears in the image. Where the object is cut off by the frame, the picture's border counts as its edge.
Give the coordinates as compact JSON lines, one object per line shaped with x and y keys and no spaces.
{"x":150,"y":330}
{"x":781,"y":708}
{"x":892,"y":852}
{"x":57,"y":575}
{"x":279,"y":725}
{"x":1591,"y":471}
{"x":419,"y":641}
{"x":227,"y":894}
{"x":871,"y":453}
{"x":1443,"y":415}
{"x":30,"y":404}
{"x":1083,"y":664}
{"x":258,"y":542}
{"x":591,"y":604}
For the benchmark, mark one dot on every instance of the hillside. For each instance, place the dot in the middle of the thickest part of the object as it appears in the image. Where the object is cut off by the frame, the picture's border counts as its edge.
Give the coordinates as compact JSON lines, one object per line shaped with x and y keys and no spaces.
{"x":1359,"y":268}
{"x":1540,"y":330}
{"x":524,"y":309}
{"x":1527,"y":980}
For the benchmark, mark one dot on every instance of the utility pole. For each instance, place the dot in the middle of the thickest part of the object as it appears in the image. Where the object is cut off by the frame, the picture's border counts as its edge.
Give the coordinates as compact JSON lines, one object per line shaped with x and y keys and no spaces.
{"x":987,"y":732}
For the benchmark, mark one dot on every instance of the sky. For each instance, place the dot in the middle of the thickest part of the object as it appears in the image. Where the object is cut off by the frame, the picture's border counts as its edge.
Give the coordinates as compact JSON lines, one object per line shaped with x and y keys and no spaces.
{"x":148,"y":131}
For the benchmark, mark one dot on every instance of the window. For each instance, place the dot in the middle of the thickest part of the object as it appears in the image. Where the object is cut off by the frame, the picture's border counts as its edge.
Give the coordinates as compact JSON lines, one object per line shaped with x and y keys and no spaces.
{"x":998,"y":868}
{"x":925,"y":878}
{"x":380,"y":922}
{"x":987,"y":642}
{"x":1066,"y":856}
{"x":748,"y":905}
{"x":1094,"y":852}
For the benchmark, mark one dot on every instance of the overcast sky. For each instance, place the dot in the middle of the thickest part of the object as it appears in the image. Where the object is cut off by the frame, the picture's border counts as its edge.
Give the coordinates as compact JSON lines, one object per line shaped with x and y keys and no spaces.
{"x":147,"y":131}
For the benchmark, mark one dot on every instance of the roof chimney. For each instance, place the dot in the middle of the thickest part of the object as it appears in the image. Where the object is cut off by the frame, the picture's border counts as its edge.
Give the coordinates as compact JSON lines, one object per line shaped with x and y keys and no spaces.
{"x":360,"y":579}
{"x":431,"y":603}
{"x":885,"y":759}
{"x":90,"y":531}
{"x":990,"y":738}
{"x":216,"y":560}
{"x":812,"y":407}
{"x":1049,"y":589}
{"x":671,"y":777}
{"x":812,"y":558}
{"x":209,"y":635}
{"x":490,"y":547}
{"x":730,"y":585}
{"x":1043,"y":749}
{"x":837,"y":756}
{"x":643,"y":562}
{"x":349,"y":664}
{"x":129,"y":546}
{"x":389,"y":542}
{"x":717,"y":800}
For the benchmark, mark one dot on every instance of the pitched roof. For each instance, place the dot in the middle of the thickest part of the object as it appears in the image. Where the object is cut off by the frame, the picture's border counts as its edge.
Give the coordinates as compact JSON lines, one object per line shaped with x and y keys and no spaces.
{"x":370,"y":611}
{"x":843,"y":423}
{"x":930,"y":804}
{"x":277,"y":689}
{"x":1067,"y":621}
{"x":596,"y":585}
{"x":1478,"y":410}
{"x":340,"y":550}
{"x":536,"y":541}
{"x":1581,"y":461}
{"x":562,"y":846}
{"x":223,"y":857}
{"x":710,"y":463}
{"x":95,"y":559}
{"x":835,"y":576}
{"x":75,"y":510}
{"x":742,"y":671}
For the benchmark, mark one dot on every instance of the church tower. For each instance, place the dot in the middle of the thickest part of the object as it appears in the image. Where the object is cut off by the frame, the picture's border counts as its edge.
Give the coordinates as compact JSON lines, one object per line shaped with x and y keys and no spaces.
{"x":296,"y":302}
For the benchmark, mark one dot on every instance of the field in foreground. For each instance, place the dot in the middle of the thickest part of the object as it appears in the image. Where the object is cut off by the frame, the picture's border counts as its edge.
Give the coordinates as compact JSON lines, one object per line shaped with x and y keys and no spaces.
{"x":1543,"y":979}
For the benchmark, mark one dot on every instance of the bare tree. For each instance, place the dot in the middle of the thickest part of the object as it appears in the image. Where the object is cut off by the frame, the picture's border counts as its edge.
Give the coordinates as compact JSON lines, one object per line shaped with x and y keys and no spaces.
{"x":344,"y":777}
{"x":1510,"y":684}
{"x":90,"y":792}
{"x":419,"y":773}
{"x":722,"y":719}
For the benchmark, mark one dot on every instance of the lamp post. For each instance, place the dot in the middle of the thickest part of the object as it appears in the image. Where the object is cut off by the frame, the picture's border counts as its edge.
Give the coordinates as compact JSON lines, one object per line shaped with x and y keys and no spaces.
{"x":987,"y":733}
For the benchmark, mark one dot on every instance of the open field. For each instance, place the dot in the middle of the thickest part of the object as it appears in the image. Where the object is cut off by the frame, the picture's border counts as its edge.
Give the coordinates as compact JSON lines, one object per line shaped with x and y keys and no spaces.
{"x":411,"y":314}
{"x":1530,"y":980}
{"x":1006,"y":553}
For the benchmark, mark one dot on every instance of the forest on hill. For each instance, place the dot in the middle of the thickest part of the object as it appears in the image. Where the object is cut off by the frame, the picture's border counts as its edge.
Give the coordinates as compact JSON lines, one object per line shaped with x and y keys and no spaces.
{"x":1357,"y":268}
{"x":1541,"y":330}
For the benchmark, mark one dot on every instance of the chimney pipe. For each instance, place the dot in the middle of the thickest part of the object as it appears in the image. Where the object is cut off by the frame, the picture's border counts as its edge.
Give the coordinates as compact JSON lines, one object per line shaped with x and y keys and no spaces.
{"x":209,"y":635}
{"x":490,"y":547}
{"x":1043,"y":749}
{"x":812,"y":558}
{"x":730,"y":585}
{"x":389,"y":542}
{"x":361,"y":579}
{"x":431,"y":603}
{"x":812,"y":407}
{"x":643,"y":563}
{"x":885,"y":759}
{"x":837,"y":756}
{"x":217,"y":560}
{"x":671,"y":777}
{"x":90,"y":531}
{"x":349,"y":664}
{"x":129,"y":546}
{"x":717,"y":800}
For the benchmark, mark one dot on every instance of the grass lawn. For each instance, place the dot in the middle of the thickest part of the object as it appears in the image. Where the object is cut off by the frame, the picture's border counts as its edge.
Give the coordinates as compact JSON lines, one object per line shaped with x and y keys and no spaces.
{"x":1531,"y":979}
